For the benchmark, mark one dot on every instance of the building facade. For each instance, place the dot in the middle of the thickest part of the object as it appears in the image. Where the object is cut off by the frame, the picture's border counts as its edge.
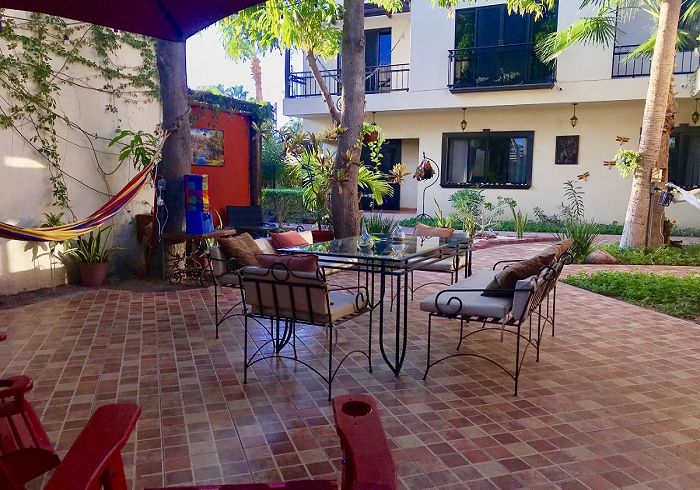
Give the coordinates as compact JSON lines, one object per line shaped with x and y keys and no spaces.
{"x":427,"y":71}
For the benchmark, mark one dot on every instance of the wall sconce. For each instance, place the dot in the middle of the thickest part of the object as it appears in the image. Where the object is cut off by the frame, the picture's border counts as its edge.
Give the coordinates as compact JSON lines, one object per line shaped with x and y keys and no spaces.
{"x":463,"y":124}
{"x":574,"y":119}
{"x":696,"y":115}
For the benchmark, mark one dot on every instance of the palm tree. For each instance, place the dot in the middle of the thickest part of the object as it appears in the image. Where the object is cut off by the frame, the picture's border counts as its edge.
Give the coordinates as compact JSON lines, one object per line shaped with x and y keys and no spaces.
{"x":601,"y":29}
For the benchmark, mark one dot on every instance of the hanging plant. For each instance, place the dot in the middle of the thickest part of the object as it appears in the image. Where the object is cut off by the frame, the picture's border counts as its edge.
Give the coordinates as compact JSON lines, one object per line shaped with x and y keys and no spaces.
{"x":627,"y":162}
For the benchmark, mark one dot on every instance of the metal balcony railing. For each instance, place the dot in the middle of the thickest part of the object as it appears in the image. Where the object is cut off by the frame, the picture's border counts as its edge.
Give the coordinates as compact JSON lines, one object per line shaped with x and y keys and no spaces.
{"x":686,"y":62}
{"x":497,"y":66}
{"x":378,"y":79}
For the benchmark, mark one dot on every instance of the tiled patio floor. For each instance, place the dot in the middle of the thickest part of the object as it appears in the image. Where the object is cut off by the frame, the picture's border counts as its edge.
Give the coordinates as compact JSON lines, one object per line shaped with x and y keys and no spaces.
{"x":613,"y":403}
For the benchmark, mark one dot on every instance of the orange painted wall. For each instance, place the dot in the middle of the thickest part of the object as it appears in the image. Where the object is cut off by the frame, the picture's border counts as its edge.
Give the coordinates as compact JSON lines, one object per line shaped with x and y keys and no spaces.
{"x":228,"y":185}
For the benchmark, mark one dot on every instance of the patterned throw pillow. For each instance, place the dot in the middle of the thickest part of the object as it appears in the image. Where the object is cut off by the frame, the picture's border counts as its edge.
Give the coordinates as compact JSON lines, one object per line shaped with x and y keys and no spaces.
{"x":242,"y":248}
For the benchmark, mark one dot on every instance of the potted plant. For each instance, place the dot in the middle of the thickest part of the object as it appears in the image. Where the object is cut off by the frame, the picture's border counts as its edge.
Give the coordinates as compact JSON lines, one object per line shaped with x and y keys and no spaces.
{"x":313,"y":164}
{"x":91,"y":254}
{"x":370,"y":132}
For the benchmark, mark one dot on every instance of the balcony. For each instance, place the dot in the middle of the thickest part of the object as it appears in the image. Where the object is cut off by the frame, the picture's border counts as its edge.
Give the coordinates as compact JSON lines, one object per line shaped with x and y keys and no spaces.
{"x":378,"y":79}
{"x":507,"y":67}
{"x":686,"y":62}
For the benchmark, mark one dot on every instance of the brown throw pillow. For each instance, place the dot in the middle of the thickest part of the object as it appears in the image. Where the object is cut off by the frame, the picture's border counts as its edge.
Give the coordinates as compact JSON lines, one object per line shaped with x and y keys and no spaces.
{"x":493,"y":289}
{"x":507,"y":278}
{"x":425,"y":230}
{"x":241,"y":248}
{"x":295,"y":263}
{"x":287,"y":239}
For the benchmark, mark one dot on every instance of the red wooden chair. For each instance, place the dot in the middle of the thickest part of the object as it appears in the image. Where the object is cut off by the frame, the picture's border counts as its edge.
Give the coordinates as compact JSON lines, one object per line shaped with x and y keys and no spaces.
{"x":25,"y":449}
{"x":367,"y":461}
{"x":94,"y":460}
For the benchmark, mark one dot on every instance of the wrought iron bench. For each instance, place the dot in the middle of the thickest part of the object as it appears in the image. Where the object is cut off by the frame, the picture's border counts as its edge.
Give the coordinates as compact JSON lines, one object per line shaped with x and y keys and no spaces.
{"x":507,"y":314}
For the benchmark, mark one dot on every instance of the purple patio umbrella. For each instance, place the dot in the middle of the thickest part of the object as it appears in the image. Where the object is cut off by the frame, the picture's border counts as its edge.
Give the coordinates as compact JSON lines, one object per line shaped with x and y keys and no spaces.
{"x":172,"y":20}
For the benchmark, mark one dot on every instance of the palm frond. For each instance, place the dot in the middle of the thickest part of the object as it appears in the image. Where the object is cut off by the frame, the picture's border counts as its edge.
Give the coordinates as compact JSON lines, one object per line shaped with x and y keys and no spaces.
{"x":536,"y":7}
{"x":600,"y":29}
{"x":375,"y":182}
{"x":691,"y":16}
{"x":645,"y":49}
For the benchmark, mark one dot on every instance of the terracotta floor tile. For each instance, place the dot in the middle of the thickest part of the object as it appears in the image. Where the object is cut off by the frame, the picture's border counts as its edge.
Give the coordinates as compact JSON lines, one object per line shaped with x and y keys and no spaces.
{"x":601,"y":409}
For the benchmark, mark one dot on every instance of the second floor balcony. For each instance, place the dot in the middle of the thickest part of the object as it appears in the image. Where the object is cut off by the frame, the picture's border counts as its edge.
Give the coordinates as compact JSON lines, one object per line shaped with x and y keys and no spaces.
{"x":687,"y":62}
{"x":504,"y":67}
{"x":378,"y":79}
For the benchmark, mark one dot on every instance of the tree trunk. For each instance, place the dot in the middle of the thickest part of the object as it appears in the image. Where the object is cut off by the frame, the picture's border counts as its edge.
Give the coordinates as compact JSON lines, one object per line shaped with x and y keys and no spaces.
{"x":177,"y":154}
{"x":637,"y":218}
{"x":257,"y":77}
{"x":344,"y":196}
{"x":322,"y":87}
{"x":660,"y":176}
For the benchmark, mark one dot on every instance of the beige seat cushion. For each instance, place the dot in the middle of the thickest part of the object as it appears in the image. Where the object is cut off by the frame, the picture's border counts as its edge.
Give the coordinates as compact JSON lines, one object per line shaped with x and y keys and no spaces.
{"x":445,"y":265}
{"x":229,"y":279}
{"x":472,"y":303}
{"x":310,"y":295}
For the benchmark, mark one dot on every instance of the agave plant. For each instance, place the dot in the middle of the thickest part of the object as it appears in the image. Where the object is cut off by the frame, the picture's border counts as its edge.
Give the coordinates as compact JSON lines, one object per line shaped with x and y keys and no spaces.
{"x":93,"y":249}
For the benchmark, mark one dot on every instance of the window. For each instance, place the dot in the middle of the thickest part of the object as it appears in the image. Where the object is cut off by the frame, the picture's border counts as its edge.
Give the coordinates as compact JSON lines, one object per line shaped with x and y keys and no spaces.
{"x":495,"y":48}
{"x":684,"y":157}
{"x":377,"y":55}
{"x":488,"y":159}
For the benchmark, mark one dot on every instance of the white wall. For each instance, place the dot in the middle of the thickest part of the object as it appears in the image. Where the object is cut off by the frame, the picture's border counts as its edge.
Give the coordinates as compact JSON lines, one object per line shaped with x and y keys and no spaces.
{"x":605,"y":193}
{"x":27,"y":192}
{"x":583,"y":72}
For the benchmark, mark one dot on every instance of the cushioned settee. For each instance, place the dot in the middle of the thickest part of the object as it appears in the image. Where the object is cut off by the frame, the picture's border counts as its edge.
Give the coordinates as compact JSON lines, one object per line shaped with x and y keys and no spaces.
{"x":503,"y":300}
{"x":231,"y":254}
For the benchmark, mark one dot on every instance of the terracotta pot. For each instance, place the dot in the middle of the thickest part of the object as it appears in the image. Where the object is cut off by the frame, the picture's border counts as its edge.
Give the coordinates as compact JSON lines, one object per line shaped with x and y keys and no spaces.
{"x":322,"y":235}
{"x":93,"y":275}
{"x":72,"y":270}
{"x":371,"y":137}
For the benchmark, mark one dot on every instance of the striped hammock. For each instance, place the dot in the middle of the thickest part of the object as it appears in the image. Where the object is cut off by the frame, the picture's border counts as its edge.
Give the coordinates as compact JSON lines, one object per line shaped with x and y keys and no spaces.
{"x":95,"y":220}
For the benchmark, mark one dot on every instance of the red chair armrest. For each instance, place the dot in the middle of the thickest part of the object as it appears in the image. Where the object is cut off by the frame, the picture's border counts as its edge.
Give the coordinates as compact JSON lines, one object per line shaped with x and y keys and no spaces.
{"x":15,"y":386}
{"x":95,"y":455}
{"x":368,"y":461}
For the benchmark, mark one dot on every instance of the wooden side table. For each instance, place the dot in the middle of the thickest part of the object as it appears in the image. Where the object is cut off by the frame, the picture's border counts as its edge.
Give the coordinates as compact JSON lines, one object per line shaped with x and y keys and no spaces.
{"x":181,"y":266}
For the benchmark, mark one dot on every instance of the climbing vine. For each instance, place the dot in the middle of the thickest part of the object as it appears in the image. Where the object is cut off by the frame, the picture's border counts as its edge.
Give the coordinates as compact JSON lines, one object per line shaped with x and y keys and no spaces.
{"x":40,"y":55}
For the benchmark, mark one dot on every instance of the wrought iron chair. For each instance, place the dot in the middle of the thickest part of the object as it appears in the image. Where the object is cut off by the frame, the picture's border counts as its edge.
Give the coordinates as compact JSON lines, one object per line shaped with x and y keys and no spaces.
{"x":278,"y":296}
{"x":448,"y":265}
{"x":224,"y":273}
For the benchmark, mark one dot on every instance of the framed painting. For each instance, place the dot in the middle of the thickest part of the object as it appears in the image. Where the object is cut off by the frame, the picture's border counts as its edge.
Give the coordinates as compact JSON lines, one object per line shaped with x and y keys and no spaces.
{"x":207,"y":147}
{"x":566,"y":150}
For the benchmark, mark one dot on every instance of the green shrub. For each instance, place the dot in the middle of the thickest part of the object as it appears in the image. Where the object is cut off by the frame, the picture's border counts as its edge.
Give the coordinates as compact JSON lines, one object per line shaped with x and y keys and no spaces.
{"x":685,"y":232}
{"x":584,"y":234}
{"x":285,"y":204}
{"x":378,"y":223}
{"x":676,"y":296}
{"x":685,"y":255}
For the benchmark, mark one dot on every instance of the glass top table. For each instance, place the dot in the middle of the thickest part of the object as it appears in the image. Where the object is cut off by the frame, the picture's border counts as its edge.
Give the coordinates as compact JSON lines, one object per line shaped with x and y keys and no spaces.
{"x":410,"y":252}
{"x":387,"y":258}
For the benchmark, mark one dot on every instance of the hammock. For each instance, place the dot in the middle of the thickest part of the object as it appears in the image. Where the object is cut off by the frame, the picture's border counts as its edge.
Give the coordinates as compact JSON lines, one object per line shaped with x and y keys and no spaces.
{"x":95,"y":220}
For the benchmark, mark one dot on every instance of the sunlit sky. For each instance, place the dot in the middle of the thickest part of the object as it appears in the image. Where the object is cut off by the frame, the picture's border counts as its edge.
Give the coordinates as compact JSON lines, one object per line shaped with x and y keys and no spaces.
{"x":207,"y":64}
